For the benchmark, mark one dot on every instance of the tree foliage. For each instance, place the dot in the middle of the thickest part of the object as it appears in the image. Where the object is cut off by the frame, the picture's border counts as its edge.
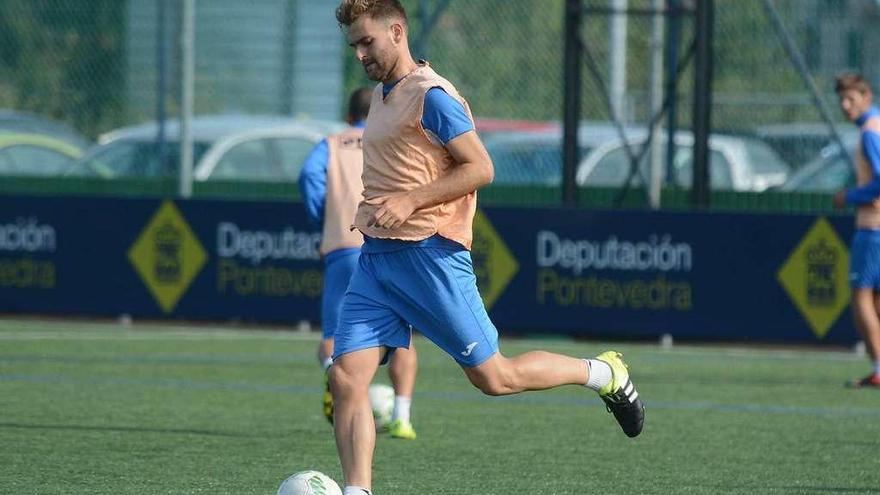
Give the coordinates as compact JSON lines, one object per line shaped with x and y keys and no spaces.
{"x":64,"y":59}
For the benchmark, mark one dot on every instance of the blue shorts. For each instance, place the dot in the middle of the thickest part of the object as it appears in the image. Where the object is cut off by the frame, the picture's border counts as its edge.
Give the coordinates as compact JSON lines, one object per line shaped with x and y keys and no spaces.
{"x":429,"y":285}
{"x":338,"y":267}
{"x":864,"y":262}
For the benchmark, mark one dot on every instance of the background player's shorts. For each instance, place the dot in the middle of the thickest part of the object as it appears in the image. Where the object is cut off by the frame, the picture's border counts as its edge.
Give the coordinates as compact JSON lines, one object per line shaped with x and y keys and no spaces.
{"x":864,"y":262}
{"x":338,"y":268}
{"x":431,"y":288}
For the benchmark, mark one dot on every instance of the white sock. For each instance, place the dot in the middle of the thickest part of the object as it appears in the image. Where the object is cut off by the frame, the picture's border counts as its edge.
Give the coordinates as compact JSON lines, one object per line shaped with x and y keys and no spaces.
{"x":877,"y":367}
{"x":600,"y":374}
{"x":356,"y":490}
{"x":401,"y":408}
{"x":326,"y":364}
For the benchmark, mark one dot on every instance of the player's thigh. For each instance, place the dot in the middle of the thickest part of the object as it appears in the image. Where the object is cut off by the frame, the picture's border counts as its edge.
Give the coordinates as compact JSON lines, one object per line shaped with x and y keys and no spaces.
{"x":864,"y":272}
{"x":366,"y":318}
{"x":436,"y":292}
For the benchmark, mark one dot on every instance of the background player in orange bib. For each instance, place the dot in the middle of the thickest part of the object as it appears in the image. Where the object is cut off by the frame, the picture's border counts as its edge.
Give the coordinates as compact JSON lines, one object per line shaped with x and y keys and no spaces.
{"x":331,"y":188}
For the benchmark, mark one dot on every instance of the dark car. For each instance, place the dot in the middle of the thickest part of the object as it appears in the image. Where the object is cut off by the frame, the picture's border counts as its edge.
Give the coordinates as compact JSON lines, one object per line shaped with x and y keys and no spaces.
{"x":535,"y":157}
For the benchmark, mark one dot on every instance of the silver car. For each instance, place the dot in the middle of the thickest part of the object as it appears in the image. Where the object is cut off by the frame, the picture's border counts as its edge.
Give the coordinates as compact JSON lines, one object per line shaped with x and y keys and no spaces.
{"x":225,"y":147}
{"x":31,"y":123}
{"x":736,"y":163}
{"x":29,"y":154}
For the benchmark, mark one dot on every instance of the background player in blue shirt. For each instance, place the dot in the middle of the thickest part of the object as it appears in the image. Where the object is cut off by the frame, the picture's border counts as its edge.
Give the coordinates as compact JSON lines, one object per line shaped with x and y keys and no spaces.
{"x":341,"y":254}
{"x":856,"y":103}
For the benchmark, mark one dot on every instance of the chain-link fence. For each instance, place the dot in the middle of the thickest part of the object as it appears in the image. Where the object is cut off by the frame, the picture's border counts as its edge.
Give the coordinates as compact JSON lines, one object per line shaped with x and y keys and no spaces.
{"x":102,"y":65}
{"x":64,"y":60}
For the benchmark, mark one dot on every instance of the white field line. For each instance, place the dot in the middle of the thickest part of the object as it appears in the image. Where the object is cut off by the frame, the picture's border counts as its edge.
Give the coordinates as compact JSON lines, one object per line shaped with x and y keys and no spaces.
{"x":166,"y":333}
{"x":183,"y":333}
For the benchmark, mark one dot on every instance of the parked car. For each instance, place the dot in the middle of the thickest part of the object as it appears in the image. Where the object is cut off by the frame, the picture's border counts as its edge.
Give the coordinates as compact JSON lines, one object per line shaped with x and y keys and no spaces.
{"x":31,"y":123}
{"x":828,"y":172}
{"x":535,"y":156}
{"x":736,"y":163}
{"x":35,"y":154}
{"x":797,"y":143}
{"x":225,"y":147}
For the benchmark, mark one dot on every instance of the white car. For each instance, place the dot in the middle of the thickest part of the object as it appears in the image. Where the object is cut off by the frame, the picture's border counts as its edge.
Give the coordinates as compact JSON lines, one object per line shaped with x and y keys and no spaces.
{"x":225,"y":147}
{"x":736,"y":163}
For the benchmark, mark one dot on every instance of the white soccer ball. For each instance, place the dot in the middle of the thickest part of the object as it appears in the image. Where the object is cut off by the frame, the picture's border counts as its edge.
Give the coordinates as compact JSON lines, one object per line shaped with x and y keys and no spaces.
{"x":309,"y":483}
{"x":382,"y":402}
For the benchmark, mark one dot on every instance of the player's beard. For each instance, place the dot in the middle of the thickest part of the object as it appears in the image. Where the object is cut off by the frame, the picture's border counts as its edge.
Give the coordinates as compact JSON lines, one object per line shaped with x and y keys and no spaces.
{"x":374,"y":70}
{"x":379,"y":67}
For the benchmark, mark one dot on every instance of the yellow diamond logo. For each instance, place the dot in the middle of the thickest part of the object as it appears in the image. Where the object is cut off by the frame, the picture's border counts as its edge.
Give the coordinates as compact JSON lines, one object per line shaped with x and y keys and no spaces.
{"x":494,"y":265}
{"x":167,"y":256}
{"x":815,"y":277}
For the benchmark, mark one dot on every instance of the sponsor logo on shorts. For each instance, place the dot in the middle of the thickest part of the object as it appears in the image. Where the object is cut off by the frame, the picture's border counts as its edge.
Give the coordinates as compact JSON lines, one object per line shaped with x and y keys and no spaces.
{"x":470,"y":348}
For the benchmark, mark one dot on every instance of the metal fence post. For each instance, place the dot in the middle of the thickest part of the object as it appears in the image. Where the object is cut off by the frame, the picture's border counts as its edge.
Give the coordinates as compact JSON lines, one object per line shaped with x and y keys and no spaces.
{"x":572,"y":97}
{"x":702,"y":113}
{"x":186,"y":110}
{"x":161,"y":82}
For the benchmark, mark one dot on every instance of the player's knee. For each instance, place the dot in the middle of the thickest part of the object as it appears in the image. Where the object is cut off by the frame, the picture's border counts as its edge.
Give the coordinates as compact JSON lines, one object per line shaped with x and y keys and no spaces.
{"x":495,"y":389}
{"x":342,"y":382}
{"x":492,"y":384}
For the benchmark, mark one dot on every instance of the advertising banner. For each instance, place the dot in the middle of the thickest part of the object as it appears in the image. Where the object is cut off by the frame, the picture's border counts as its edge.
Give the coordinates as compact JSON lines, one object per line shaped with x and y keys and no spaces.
{"x":699,"y":275}
{"x":210,"y":260}
{"x":600,"y":273}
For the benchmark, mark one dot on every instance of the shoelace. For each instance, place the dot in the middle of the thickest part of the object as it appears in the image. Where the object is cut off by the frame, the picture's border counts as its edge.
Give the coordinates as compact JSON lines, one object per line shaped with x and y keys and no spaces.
{"x":615,"y":398}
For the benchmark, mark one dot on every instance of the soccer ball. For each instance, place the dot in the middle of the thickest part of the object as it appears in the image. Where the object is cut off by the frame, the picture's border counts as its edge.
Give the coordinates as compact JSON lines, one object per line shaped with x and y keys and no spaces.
{"x":382,"y":402}
{"x":309,"y":483}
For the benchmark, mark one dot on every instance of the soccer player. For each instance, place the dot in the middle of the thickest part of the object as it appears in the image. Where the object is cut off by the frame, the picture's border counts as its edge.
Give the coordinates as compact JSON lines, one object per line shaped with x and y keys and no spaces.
{"x":855,"y":97}
{"x":331,"y":187}
{"x":423,"y":163}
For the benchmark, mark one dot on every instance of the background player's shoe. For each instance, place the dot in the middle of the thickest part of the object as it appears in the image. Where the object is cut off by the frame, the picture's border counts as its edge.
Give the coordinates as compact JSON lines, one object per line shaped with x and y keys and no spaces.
{"x":620,"y":396}
{"x":328,"y":399}
{"x":401,"y":429}
{"x":870,"y":381}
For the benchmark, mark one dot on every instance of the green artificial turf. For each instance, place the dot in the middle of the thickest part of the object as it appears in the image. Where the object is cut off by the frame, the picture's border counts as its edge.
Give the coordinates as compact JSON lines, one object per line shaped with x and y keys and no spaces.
{"x":110,"y":409}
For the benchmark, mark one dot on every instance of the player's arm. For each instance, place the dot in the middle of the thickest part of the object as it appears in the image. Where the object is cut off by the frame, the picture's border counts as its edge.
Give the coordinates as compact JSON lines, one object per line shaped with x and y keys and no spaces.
{"x":446,"y":121}
{"x":313,"y":183}
{"x":869,"y":192}
{"x":473,"y":170}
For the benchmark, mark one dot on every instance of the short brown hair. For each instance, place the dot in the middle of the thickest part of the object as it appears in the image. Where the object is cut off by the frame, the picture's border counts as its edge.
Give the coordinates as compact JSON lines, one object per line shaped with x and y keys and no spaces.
{"x":849,"y":81}
{"x":359,"y":103}
{"x":350,"y":10}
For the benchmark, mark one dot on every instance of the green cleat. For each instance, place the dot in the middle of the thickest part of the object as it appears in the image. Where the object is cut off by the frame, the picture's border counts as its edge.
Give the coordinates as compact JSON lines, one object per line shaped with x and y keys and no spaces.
{"x":401,"y":429}
{"x":328,"y":399}
{"x":620,"y":396}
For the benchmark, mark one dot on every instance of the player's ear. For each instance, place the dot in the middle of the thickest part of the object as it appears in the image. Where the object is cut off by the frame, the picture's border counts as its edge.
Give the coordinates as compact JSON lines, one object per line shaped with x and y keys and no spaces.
{"x":398,"y":33}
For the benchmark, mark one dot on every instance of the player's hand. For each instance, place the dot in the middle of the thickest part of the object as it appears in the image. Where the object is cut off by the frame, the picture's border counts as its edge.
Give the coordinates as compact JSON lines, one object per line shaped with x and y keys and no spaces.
{"x":393,"y":210}
{"x":839,"y":199}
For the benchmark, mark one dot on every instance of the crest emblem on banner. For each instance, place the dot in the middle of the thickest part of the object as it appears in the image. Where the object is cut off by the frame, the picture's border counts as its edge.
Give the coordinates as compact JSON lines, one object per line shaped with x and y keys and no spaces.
{"x":815,"y":277}
{"x":167,"y":255}
{"x":494,"y":264}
